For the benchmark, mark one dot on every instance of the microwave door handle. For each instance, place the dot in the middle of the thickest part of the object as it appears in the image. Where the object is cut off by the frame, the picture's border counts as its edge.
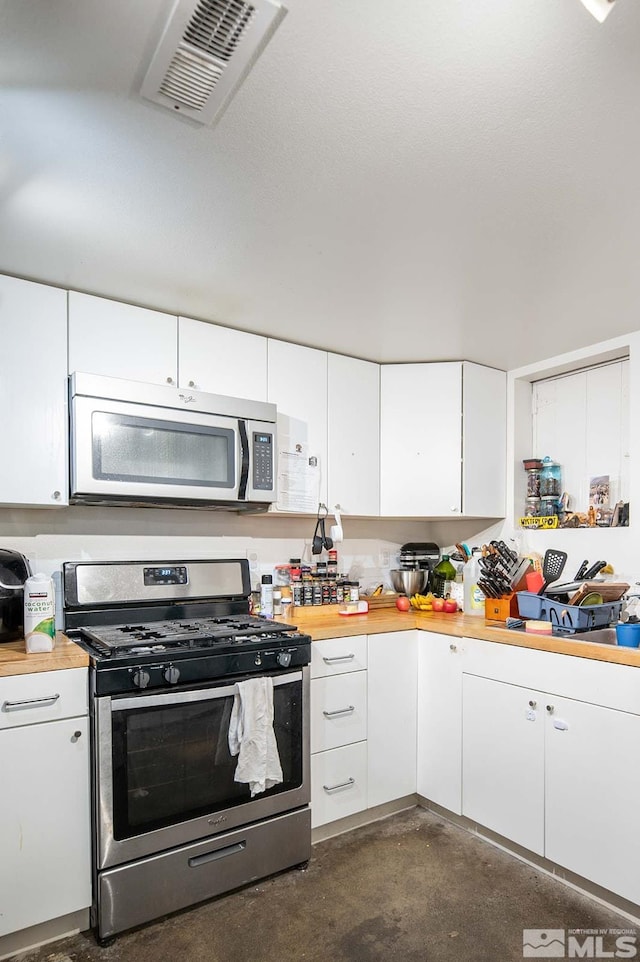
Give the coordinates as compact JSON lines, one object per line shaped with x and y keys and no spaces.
{"x":244,"y":466}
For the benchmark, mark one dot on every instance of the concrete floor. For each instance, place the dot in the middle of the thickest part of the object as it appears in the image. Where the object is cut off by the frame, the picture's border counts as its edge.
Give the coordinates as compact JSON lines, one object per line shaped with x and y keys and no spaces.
{"x":411,"y":888}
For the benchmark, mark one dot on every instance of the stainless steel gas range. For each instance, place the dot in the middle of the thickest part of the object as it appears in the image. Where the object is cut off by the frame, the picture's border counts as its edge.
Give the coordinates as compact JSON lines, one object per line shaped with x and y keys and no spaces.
{"x":168,"y":643}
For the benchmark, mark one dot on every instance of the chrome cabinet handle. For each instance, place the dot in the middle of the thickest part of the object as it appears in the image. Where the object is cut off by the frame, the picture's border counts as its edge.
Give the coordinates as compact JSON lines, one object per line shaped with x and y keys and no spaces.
{"x":340,"y":711}
{"x":29,"y":703}
{"x":550,"y":709}
{"x":169,"y":380}
{"x":453,"y":647}
{"x":56,"y":495}
{"x":532,"y":703}
{"x":330,"y":661}
{"x":334,"y":788}
{"x":192,"y":383}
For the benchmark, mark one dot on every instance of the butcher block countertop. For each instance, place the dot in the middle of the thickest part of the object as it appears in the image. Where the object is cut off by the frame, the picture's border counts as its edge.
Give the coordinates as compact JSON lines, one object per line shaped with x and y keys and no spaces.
{"x":325,"y":622}
{"x":15,"y":661}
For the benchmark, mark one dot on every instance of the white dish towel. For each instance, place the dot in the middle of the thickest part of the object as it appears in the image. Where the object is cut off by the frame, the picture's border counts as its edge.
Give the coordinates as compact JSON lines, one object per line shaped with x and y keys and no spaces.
{"x":251,"y":735}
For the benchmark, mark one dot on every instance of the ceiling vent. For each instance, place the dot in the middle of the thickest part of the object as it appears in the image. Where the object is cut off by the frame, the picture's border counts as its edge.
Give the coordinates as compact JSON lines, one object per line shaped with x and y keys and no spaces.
{"x":207,"y":49}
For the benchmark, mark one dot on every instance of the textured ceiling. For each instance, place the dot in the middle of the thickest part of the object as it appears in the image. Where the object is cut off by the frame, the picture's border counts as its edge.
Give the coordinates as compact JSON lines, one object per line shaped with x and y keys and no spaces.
{"x":397,"y":181}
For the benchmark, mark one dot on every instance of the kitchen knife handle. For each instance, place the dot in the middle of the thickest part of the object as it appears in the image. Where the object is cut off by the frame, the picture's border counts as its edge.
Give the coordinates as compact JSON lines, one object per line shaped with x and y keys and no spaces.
{"x":581,"y":570}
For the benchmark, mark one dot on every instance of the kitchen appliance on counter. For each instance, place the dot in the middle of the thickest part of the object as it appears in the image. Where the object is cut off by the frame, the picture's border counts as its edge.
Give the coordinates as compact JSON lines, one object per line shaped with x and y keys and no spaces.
{"x":14,"y":571}
{"x":144,"y":444}
{"x":168,"y":643}
{"x":419,"y":556}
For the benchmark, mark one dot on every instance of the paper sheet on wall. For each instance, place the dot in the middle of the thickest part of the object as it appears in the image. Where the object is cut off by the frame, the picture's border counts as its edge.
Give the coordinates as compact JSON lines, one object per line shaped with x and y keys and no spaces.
{"x":298,"y":468}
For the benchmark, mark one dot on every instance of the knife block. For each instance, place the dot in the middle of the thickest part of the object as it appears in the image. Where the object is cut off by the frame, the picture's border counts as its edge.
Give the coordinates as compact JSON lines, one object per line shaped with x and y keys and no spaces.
{"x":499,"y":609}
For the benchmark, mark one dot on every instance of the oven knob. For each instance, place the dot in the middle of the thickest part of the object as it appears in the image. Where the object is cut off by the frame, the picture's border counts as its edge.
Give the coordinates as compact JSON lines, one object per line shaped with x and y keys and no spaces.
{"x":141,"y":678}
{"x":258,"y":659}
{"x":172,"y":674}
{"x":284,"y":659}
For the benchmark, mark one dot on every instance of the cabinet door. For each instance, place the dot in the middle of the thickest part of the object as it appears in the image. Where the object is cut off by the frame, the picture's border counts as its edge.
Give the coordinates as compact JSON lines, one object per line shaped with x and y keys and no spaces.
{"x":503,"y":759}
{"x":121,"y":340}
{"x":221,"y":361}
{"x":33,"y":393}
{"x":439,"y":776}
{"x":592,"y":788}
{"x":354,"y":435}
{"x":421,"y":439}
{"x":484,"y":451}
{"x":297,"y":385}
{"x":391,"y":724}
{"x":44,"y":823}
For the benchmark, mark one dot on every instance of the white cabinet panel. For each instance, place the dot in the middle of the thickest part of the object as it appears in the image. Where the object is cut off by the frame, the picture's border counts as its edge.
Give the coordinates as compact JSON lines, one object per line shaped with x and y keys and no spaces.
{"x":592,"y":786}
{"x":221,"y":361}
{"x":503,"y":759}
{"x":338,"y":783}
{"x":484,"y":445}
{"x":335,"y":656}
{"x":391,"y":716}
{"x":439,"y":774}
{"x":121,"y":340}
{"x":33,"y":394}
{"x":44,"y":823}
{"x":338,"y":710}
{"x":420,"y":460}
{"x":354,"y":435}
{"x":297,"y":385}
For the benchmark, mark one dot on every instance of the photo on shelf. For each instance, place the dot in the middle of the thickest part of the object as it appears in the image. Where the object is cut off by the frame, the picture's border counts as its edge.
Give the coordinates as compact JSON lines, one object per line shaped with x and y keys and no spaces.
{"x":599,"y":492}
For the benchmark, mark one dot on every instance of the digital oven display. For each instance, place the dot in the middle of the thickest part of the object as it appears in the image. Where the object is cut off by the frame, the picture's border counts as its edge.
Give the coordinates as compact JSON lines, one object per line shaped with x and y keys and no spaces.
{"x":174,"y":575}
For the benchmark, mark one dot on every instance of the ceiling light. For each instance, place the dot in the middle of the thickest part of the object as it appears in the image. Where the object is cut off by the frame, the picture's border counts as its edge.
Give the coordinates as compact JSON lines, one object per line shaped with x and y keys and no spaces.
{"x":600,"y":9}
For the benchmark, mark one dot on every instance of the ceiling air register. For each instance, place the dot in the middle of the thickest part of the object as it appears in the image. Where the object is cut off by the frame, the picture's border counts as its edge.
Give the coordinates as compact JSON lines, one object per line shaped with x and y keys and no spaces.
{"x":207,"y":49}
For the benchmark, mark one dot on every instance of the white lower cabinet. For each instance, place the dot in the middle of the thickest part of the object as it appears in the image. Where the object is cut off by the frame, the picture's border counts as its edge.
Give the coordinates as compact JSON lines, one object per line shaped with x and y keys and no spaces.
{"x":556,"y":775}
{"x":44,"y":804}
{"x":439,"y":749}
{"x":338,"y":728}
{"x":338,"y":783}
{"x":392,"y":709}
{"x":503,"y":760}
{"x":592,"y":787}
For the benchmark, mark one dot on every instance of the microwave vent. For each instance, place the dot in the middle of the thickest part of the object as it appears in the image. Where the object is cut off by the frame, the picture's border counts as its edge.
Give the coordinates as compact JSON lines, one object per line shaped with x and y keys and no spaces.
{"x":207,"y":49}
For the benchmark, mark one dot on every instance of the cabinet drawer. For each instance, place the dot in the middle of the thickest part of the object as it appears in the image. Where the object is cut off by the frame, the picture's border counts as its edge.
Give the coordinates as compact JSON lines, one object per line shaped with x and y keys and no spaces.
{"x":43,"y":696}
{"x":338,"y":783}
{"x":335,"y":656}
{"x":338,"y":710}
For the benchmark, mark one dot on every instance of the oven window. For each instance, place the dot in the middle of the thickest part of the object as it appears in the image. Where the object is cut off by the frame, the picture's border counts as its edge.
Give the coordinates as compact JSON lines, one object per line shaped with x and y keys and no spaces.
{"x":161,"y":452}
{"x":173,"y":763}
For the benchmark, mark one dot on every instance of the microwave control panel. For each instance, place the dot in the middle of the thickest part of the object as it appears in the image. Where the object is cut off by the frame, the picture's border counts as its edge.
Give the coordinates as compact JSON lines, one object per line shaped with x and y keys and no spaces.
{"x":262,"y":461}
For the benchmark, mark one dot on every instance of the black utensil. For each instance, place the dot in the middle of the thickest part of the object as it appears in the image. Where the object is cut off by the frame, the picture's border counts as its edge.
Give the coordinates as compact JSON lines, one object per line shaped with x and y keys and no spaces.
{"x":593,"y":570}
{"x":552,"y":567}
{"x":581,"y":570}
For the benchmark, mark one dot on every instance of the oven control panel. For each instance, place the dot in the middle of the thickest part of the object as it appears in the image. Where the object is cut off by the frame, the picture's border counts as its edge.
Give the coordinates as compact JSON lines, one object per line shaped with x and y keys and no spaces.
{"x":165,"y":575}
{"x":198,"y":670}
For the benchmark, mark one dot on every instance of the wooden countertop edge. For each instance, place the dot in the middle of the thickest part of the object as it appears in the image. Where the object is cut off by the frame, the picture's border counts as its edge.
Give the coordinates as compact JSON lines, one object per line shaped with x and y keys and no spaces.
{"x":14,"y":660}
{"x":321,"y":624}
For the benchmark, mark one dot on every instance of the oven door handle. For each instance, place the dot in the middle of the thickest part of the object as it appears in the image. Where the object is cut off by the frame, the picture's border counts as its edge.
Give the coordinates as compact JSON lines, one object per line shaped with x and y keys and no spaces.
{"x":165,"y":699}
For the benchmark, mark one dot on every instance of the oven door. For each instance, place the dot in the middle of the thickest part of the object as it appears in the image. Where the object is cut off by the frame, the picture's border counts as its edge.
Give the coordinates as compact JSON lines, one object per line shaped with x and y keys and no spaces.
{"x":165,"y":775}
{"x":136,"y":452}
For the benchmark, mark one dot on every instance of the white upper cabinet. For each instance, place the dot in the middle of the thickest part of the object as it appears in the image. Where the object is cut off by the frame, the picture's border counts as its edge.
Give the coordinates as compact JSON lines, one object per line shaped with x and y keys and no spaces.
{"x":484,"y":441}
{"x":442,"y":440}
{"x":297,"y":385}
{"x":33,"y":392}
{"x":354,"y":435}
{"x":120,"y":340}
{"x":420,"y":439}
{"x":221,"y":361}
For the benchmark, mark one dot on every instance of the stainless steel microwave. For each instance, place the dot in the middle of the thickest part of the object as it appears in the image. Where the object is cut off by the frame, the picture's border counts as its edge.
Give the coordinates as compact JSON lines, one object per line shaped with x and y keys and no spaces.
{"x":144,"y":444}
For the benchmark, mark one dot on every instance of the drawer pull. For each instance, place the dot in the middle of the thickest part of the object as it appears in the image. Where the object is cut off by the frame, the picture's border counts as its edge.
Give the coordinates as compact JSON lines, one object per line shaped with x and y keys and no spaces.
{"x":339,"y":711}
{"x":331,"y":661}
{"x":214,"y":856}
{"x":30,"y":703}
{"x":335,"y":788}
